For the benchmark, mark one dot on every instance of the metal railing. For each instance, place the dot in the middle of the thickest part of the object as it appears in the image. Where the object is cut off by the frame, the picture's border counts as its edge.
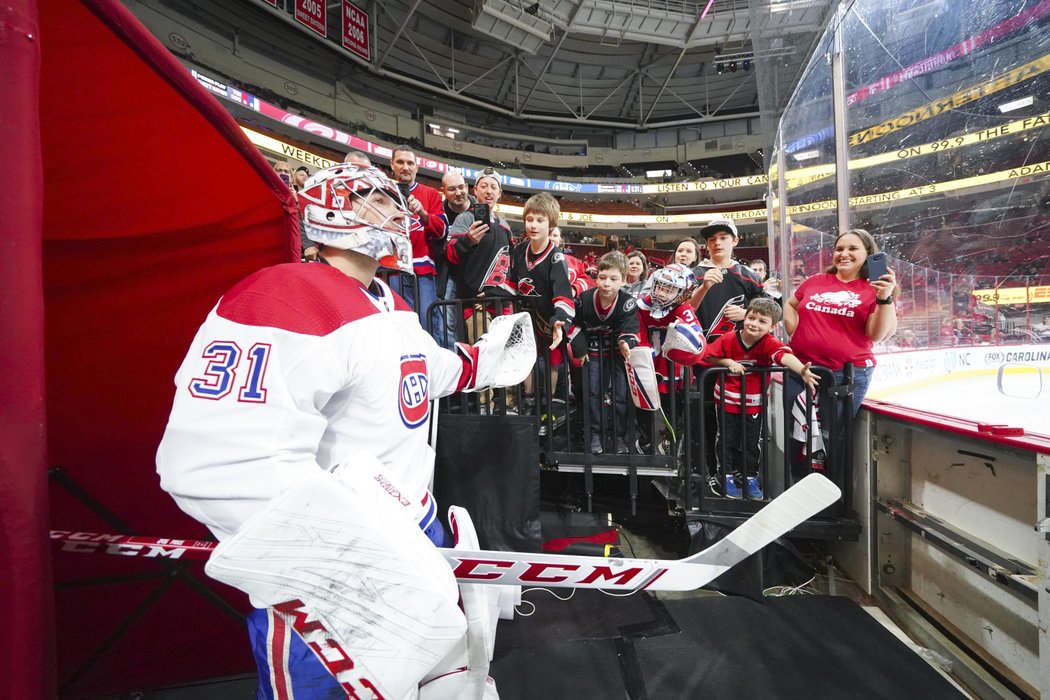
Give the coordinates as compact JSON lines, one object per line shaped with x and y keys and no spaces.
{"x":670,"y":445}
{"x":796,"y":457}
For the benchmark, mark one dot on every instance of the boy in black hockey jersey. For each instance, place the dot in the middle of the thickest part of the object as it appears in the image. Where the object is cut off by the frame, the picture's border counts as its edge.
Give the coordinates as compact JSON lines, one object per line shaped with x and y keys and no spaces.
{"x":606,"y":328}
{"x":726,"y":288}
{"x":536,"y":270}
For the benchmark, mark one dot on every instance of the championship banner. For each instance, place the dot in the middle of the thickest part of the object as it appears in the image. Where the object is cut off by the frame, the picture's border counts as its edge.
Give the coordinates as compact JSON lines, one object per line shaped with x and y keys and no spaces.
{"x":355,"y":30}
{"x":312,"y":14}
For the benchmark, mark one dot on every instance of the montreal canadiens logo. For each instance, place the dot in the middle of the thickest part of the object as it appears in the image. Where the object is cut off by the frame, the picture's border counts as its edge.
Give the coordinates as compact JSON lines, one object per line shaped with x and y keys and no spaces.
{"x":413,"y":400}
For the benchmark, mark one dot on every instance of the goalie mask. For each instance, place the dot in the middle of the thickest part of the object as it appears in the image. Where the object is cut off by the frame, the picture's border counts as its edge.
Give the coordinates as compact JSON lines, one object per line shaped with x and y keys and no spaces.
{"x":672,"y":285}
{"x":358,"y":209}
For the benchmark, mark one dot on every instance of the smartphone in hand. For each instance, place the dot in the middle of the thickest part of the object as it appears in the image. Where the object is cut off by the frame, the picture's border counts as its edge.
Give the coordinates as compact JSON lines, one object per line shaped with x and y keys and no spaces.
{"x":877,"y":264}
{"x":404,"y":188}
{"x":482,"y":213}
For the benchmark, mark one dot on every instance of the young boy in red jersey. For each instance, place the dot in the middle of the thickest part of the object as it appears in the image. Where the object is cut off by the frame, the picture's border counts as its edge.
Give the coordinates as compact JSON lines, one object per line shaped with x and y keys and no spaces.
{"x":752,"y":344}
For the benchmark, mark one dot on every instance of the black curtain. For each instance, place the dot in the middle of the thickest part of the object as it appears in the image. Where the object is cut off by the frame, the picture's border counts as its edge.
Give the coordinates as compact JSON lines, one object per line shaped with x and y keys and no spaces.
{"x":490,"y":466}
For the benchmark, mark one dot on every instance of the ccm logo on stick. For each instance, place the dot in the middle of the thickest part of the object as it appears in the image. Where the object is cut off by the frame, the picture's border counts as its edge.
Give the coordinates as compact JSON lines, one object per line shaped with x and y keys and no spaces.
{"x":548,"y":572}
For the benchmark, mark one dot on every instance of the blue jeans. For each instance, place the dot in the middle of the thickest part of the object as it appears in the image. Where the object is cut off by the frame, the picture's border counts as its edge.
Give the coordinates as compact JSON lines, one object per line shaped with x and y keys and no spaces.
{"x":452,"y":315}
{"x":427,"y":284}
{"x":861,"y":381}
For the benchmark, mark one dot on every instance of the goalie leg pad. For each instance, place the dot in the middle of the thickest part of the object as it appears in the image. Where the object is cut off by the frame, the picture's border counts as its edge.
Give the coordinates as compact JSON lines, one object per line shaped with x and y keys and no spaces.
{"x":641,"y":379}
{"x":356,"y":578}
{"x":464,"y":672}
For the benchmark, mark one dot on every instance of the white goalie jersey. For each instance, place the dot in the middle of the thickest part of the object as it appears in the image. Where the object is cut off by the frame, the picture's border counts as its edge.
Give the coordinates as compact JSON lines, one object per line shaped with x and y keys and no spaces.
{"x":300,"y":367}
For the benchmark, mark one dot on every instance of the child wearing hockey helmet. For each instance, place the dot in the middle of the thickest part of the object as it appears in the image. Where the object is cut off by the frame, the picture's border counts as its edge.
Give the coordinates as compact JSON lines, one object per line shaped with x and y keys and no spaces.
{"x":672,"y":285}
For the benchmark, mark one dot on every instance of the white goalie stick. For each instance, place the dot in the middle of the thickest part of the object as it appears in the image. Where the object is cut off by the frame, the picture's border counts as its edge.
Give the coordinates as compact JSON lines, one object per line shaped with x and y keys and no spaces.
{"x":808,"y":497}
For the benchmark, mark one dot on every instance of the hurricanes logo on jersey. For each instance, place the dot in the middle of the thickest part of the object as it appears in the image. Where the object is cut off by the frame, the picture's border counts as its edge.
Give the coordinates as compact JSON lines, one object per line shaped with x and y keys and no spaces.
{"x":526,"y":288}
{"x":413,"y":400}
{"x":496,"y":275}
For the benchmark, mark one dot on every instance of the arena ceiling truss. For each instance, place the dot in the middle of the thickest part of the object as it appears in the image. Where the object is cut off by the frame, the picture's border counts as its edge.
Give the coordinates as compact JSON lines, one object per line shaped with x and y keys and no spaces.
{"x":635,"y":64}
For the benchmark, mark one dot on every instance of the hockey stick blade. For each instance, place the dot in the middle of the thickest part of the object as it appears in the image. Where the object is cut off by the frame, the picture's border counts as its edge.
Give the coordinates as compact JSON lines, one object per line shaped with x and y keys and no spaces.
{"x":805,"y":499}
{"x":808,"y":497}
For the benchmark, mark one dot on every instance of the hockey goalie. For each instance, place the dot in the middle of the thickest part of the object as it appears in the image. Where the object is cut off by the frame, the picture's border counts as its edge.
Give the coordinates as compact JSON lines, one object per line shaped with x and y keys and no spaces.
{"x":298,"y":435}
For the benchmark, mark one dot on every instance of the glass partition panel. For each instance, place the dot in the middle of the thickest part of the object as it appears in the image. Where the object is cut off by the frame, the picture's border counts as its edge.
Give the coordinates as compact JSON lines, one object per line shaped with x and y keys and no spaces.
{"x":808,"y":133}
{"x":948,"y":155}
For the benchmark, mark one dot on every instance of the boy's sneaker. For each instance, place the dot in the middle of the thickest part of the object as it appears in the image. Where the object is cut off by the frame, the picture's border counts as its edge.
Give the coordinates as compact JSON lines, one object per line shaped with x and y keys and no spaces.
{"x":714,"y":486}
{"x":596,"y":444}
{"x":621,"y":446}
{"x":732,"y":489}
{"x":754,"y":491}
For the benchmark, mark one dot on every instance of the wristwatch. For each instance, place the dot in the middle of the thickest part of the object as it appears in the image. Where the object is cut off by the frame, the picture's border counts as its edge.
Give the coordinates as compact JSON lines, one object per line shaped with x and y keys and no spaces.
{"x":884,"y":302}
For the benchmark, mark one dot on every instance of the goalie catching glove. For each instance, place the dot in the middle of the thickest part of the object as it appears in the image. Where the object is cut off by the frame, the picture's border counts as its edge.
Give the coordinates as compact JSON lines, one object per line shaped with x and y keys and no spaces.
{"x":503,"y":356}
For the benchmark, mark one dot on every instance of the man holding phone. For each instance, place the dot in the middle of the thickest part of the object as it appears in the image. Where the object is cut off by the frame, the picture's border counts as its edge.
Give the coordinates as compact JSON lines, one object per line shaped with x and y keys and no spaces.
{"x":457,"y":201}
{"x":284,"y":171}
{"x":480,"y":238}
{"x":426,"y":229}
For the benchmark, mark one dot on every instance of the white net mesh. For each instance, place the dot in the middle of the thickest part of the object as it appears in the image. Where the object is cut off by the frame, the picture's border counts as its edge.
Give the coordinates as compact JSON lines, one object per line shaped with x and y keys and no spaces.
{"x":507,"y":352}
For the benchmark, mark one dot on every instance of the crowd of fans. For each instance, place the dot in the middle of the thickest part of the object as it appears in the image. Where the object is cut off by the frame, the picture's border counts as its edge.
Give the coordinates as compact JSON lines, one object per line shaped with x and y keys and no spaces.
{"x":700,"y":307}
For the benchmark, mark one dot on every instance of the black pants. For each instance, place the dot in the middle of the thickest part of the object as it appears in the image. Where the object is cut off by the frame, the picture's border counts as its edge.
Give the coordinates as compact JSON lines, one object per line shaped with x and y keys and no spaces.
{"x":603,"y":372}
{"x":710,"y":419}
{"x":741,"y":437}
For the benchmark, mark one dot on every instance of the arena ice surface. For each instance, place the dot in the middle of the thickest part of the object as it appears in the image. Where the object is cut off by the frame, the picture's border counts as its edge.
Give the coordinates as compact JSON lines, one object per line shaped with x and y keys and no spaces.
{"x":1014,"y":394}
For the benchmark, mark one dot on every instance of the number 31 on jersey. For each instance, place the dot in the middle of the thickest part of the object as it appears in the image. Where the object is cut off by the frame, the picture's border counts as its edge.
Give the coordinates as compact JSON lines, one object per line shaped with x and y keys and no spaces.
{"x":222,"y":360}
